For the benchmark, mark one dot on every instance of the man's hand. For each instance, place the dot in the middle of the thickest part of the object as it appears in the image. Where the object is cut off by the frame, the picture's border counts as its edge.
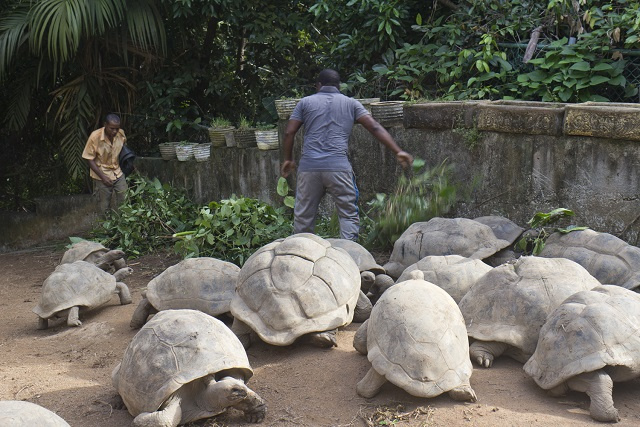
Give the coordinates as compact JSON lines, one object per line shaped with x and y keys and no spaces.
{"x":287,"y":167}
{"x":405,"y":159}
{"x":107,"y":181}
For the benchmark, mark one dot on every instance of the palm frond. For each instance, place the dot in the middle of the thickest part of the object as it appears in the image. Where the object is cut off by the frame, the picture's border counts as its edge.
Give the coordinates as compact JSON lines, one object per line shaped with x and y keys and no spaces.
{"x":18,"y":101}
{"x":13,"y":35}
{"x":146,"y":27}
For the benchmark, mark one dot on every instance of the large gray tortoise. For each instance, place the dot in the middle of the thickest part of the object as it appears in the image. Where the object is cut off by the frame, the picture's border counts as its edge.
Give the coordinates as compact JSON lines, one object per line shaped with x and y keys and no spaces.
{"x":18,"y":413}
{"x":504,"y":229}
{"x":453,"y":273}
{"x":416,"y":339}
{"x":183,"y":366}
{"x":443,"y":236}
{"x":590,"y":341}
{"x":294,"y":287}
{"x":204,"y":284}
{"x":95,"y":253}
{"x":79,"y":285}
{"x":505,"y":309}
{"x":609,"y":259}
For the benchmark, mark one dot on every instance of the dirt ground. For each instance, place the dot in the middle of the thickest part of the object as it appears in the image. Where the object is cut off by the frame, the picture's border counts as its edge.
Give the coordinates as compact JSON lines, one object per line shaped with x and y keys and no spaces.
{"x":68,"y":370}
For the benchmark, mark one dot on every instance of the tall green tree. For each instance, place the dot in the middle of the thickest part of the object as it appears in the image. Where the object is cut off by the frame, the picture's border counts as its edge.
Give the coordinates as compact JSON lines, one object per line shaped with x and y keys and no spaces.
{"x":79,"y":57}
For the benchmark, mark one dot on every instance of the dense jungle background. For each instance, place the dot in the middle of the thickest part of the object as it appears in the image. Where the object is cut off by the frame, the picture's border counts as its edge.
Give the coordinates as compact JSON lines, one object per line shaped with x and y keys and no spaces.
{"x":170,"y":67}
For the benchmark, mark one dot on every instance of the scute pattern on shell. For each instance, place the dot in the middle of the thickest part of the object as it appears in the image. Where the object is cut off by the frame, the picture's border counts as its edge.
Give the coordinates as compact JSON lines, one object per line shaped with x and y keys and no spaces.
{"x":175,"y":347}
{"x":590,"y":330}
{"x":205,"y":284}
{"x":511,"y":302}
{"x":79,"y":283}
{"x":417,"y":339}
{"x":609,"y":259}
{"x":443,"y":236}
{"x":21,"y":413}
{"x":296,"y":286}
{"x":84,"y":250}
{"x":453,"y":273}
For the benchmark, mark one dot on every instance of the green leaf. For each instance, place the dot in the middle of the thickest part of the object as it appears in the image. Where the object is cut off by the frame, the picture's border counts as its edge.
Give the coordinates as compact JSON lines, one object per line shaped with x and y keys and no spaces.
{"x":283,"y":187}
{"x":289,"y":201}
{"x":581,"y":66}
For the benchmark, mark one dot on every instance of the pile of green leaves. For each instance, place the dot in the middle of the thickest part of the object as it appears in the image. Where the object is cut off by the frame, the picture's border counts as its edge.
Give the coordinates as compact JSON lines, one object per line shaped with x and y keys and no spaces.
{"x":541,"y":225}
{"x":233,"y":229}
{"x":419,"y":197}
{"x":151,"y":214}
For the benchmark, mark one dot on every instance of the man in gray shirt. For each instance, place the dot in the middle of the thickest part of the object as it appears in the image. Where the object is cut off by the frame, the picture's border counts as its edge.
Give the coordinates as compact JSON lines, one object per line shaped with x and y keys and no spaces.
{"x":328,"y":117}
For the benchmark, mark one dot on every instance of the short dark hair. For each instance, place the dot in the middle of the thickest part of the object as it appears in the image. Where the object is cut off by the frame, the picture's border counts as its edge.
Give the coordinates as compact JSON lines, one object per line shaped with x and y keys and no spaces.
{"x":329,"y":77}
{"x":112,"y":118}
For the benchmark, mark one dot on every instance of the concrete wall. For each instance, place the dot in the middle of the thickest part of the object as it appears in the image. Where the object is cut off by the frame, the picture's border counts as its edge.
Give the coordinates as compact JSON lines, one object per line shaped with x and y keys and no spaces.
{"x":524,"y":157}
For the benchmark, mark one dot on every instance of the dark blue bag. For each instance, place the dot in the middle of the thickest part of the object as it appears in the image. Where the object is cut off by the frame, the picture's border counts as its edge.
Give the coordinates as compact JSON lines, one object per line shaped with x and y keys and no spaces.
{"x":126,"y":159}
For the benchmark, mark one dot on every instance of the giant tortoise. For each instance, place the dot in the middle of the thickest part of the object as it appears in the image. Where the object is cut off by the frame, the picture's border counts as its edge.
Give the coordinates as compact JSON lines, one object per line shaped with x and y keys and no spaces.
{"x":183,"y":366}
{"x":79,"y":285}
{"x":505,"y":309}
{"x":589,"y":342}
{"x":609,"y":259}
{"x":443,"y":236}
{"x":416,"y":339}
{"x":294,"y":287}
{"x":203,"y":283}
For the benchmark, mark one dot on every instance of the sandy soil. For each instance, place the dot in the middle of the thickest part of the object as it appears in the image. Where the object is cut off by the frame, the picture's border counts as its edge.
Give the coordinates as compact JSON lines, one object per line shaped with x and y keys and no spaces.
{"x":68,"y":370}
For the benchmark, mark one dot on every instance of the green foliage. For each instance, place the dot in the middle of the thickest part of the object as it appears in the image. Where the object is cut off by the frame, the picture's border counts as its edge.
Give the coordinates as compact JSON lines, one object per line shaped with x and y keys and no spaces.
{"x":150,"y":215}
{"x":283,"y":191}
{"x":573,"y":73}
{"x":419,"y":197}
{"x":540,"y":223}
{"x":220,"y":122}
{"x":233,"y":229}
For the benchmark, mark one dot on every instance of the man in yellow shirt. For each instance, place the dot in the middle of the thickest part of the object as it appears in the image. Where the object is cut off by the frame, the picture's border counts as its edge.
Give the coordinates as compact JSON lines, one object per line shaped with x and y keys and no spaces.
{"x":102,"y":151}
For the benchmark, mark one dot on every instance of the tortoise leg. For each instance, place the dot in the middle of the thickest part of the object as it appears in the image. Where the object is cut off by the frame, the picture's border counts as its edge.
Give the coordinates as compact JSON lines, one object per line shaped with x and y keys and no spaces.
{"x":326,"y":339}
{"x":599,"y":387}
{"x":463,"y":393}
{"x":483,"y":352}
{"x":43,"y":323}
{"x":123,"y":293}
{"x":73,"y":318}
{"x":363,"y":308}
{"x":242,"y":331}
{"x":169,"y":415}
{"x":142,"y":312}
{"x":360,"y":338}
{"x":370,"y":385}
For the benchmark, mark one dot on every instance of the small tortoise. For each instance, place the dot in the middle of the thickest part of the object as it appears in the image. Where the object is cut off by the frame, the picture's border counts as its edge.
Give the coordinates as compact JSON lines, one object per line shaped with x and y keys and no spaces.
{"x":505,"y":309}
{"x":183,"y":366}
{"x":443,"y":236}
{"x":300,"y":285}
{"x":204,"y":284}
{"x":453,"y":273}
{"x":18,"y":413}
{"x":609,"y":259}
{"x":95,"y":253}
{"x":416,"y":339}
{"x":590,"y":341}
{"x":79,"y":285}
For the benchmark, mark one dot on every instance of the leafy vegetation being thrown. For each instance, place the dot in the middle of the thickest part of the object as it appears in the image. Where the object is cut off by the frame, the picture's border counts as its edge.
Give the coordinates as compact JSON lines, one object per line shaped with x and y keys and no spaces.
{"x":419,"y":197}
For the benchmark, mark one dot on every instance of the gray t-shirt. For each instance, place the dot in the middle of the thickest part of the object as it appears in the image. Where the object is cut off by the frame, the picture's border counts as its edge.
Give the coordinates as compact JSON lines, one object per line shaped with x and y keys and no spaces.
{"x":328,"y":117}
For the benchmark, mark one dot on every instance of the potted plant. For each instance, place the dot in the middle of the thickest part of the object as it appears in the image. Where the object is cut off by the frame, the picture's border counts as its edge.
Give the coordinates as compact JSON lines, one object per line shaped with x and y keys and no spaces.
{"x":202,"y":152}
{"x":184,"y":150}
{"x":267,"y":136}
{"x":245,"y":134}
{"x":285,"y":106}
{"x":221,"y":132}
{"x":168,"y":150}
